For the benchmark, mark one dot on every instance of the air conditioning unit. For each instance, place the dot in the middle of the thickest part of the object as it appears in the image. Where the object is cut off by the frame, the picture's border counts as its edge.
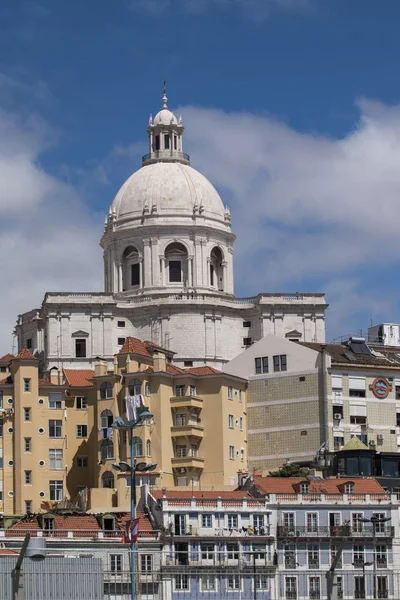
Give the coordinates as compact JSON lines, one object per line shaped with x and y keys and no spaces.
{"x":372,"y":443}
{"x":380,"y":436}
{"x":337,"y":416}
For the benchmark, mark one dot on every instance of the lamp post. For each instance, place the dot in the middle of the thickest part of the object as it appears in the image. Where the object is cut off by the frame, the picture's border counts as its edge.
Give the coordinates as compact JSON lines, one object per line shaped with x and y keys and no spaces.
{"x":374,"y":520}
{"x":363,"y":565}
{"x":132,"y":467}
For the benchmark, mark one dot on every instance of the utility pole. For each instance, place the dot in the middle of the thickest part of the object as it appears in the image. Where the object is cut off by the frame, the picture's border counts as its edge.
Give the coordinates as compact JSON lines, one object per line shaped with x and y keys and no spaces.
{"x":17,"y":581}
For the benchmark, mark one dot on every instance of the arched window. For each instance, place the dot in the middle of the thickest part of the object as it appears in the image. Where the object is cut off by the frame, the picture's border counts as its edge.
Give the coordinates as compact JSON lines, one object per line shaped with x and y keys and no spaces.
{"x":135,"y":387}
{"x":148,"y":448}
{"x":107,"y":419}
{"x":107,"y":479}
{"x":106,"y":390}
{"x":137,"y":446}
{"x":216,"y":269}
{"x":130,"y":268}
{"x":176,"y":263}
{"x":107,"y":450}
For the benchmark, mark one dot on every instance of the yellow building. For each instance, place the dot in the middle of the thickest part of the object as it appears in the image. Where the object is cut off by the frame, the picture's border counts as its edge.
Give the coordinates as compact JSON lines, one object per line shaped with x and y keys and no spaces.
{"x":57,"y":438}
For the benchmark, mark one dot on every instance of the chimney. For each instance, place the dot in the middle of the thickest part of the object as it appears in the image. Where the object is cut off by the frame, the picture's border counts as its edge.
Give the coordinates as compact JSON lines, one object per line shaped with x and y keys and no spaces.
{"x":159,"y":362}
{"x":100,"y":367}
{"x":54,"y":376}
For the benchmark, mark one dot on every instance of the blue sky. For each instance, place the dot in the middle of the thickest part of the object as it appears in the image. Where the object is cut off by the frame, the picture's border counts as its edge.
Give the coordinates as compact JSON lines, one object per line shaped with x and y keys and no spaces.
{"x":305,"y":91}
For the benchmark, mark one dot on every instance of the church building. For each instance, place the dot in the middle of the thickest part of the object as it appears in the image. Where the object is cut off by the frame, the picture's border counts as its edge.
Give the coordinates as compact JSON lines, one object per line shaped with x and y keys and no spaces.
{"x":168,"y":276}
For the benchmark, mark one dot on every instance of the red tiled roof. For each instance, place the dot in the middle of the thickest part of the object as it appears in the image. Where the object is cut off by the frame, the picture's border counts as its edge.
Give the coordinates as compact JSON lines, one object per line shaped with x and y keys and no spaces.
{"x":290,"y":485}
{"x":78,"y":377}
{"x":157,"y":347}
{"x":206,"y":370}
{"x":7,"y":358}
{"x":25,"y":354}
{"x":25,"y":524}
{"x":5,"y":551}
{"x":145,"y":526}
{"x":173,"y":370}
{"x":45,"y":382}
{"x":76,"y":522}
{"x":134,"y":346}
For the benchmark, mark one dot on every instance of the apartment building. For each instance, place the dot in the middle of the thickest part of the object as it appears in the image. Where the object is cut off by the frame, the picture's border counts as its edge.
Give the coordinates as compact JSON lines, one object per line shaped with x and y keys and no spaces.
{"x":304,"y":396}
{"x":57,"y":436}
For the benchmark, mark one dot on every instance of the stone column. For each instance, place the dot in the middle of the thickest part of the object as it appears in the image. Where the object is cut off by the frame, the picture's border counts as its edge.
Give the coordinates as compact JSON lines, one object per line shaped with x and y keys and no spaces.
{"x":147,"y":263}
{"x":141,"y":271}
{"x":224,"y":265}
{"x":155,"y":269}
{"x":229,"y":283}
{"x":208,"y":272}
{"x":190,"y":270}
{"x":162,"y":261}
{"x":119,"y":268}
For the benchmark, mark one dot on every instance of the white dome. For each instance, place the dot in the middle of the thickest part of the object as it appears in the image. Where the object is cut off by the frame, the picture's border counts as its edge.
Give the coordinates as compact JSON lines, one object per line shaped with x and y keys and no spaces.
{"x":173,"y":188}
{"x":165,"y":117}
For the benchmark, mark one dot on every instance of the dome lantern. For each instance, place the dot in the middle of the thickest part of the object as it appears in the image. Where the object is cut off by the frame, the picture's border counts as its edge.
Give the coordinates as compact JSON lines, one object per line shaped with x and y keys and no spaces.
{"x":165,"y":137}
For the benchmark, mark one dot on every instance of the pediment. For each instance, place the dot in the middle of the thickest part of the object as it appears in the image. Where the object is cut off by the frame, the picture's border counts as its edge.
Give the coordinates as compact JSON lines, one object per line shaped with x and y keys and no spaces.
{"x":80,"y":334}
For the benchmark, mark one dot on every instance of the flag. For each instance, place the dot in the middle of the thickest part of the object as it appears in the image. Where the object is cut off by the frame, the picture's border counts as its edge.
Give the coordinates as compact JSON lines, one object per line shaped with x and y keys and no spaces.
{"x":131,"y":532}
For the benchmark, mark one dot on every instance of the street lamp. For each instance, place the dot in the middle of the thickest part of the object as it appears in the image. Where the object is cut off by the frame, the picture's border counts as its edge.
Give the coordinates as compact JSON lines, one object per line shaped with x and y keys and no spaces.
{"x":131,"y":468}
{"x":363,"y":564}
{"x":374,"y":520}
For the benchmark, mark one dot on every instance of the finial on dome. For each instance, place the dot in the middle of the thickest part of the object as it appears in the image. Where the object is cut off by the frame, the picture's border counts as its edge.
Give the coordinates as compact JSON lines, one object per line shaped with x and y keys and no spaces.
{"x":164,"y":98}
{"x":151,"y":119}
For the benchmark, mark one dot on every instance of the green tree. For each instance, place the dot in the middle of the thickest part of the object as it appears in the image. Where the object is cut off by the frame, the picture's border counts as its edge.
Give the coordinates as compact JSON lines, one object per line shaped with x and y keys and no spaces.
{"x":290,"y":470}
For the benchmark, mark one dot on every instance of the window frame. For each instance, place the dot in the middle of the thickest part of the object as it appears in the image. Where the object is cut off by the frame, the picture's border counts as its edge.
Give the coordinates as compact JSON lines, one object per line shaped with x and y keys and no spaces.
{"x":55,"y":487}
{"x":80,"y":432}
{"x":56,"y":459}
{"x":116,"y":563}
{"x":56,"y":427}
{"x":27,"y":385}
{"x":82,"y":402}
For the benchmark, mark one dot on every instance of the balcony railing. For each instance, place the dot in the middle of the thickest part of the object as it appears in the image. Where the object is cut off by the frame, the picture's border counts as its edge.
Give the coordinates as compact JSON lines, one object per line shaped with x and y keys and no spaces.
{"x":381,"y":562}
{"x":344,"y":531}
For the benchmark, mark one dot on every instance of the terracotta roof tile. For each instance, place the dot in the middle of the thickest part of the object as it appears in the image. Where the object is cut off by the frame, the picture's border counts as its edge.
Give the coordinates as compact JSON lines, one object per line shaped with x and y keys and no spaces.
{"x":25,"y":354}
{"x":134,"y":346}
{"x":188,"y":494}
{"x":7,"y":358}
{"x":76,"y":522}
{"x":290,"y":485}
{"x":206,"y":370}
{"x":78,"y":377}
{"x":173,"y":370}
{"x":145,"y":526}
{"x":157,"y":347}
{"x":45,"y":382}
{"x":341,"y":353}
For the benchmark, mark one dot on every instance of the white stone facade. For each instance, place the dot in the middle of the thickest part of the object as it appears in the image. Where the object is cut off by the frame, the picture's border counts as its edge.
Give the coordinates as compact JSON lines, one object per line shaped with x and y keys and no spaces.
{"x":168,"y":275}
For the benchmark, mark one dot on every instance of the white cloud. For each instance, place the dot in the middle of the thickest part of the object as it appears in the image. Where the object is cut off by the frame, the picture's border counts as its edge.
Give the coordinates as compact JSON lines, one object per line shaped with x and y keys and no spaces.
{"x":306,"y":206}
{"x":48,"y":240}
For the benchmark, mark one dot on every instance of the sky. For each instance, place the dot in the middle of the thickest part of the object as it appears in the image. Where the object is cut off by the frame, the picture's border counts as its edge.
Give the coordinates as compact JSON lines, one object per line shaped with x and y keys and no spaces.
{"x":291,"y":109}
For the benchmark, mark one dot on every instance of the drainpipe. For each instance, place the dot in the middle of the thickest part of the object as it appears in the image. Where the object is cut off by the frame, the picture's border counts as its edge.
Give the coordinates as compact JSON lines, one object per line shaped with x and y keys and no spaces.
{"x":324,"y":383}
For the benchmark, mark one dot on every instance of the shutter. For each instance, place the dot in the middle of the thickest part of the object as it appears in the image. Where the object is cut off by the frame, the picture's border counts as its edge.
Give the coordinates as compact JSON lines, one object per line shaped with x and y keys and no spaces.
{"x":337,"y":381}
{"x":357,"y":383}
{"x":358,"y":411}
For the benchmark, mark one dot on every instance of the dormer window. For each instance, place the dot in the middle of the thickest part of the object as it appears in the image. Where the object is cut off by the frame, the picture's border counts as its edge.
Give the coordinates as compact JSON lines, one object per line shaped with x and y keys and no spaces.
{"x":108,"y":523}
{"x":49,"y":523}
{"x":349,"y":488}
{"x":304,"y":487}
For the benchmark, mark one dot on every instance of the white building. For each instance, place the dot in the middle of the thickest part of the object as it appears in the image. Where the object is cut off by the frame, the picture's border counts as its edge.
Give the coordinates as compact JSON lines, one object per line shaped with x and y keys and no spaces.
{"x":168,"y":275}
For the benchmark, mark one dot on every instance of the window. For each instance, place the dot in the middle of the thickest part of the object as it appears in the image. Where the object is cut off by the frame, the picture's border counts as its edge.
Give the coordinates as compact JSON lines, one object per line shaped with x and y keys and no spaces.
{"x":208,"y":583}
{"x":206,"y":520}
{"x":121,"y":324}
{"x":29,"y":343}
{"x":137,"y":446}
{"x":288,"y":521}
{"x":107,"y":480}
{"x":246,"y":324}
{"x":381,"y":556}
{"x":290,"y":588}
{"x":356,"y":523}
{"x":175,"y":272}
{"x":231,"y":452}
{"x":262,"y":582}
{"x":312,"y":522}
{"x":339,"y":586}
{"x":27,"y":414}
{"x":230,"y":393}
{"x":27,"y":444}
{"x":207,"y":551}
{"x":315,"y":588}
{"x":290,"y":556}
{"x":148,"y":449}
{"x":304,"y":487}
{"x":313,"y":557}
{"x":55,"y":400}
{"x":180,"y":390}
{"x":338,"y":441}
{"x":180,"y":419}
{"x":106,"y":421}
{"x":55,"y":428}
{"x":358,"y":555}
{"x":334,"y":551}
{"x":349,"y":488}
{"x":135,"y":274}
{"x":382,"y":585}
{"x":258,"y":551}
{"x":240,"y":396}
{"x":49,"y":524}
{"x":107,"y":450}
{"x":27,"y":385}
{"x":194,"y":450}
{"x":182,"y":582}
{"x":356,"y":387}
{"x":192,"y":390}
{"x":121,"y":341}
{"x":232,"y":521}
{"x":261,"y":364}
{"x":166,"y":141}
{"x":146,"y":562}
{"x":106,"y":390}
{"x":357,"y":393}
{"x":82,"y":461}
{"x":135,"y":387}
{"x":1,"y":398}
{"x":28,"y":477}
{"x":359,"y":586}
{"x":115,"y":563}
{"x":358,"y":419}
{"x":56,"y":458}
{"x":180,"y":451}
{"x":379,"y":523}
{"x":56,"y":490}
{"x":81,"y":431}
{"x":188,"y":363}
{"x":157,"y":142}
{"x":147,"y":388}
{"x":231,"y":421}
{"x":241,"y":423}
{"x":81,"y":403}
{"x":280,"y":363}
{"x":80,"y":348}
{"x":28,"y":506}
{"x":233,"y":582}
{"x":109,"y":523}
{"x":247,"y":341}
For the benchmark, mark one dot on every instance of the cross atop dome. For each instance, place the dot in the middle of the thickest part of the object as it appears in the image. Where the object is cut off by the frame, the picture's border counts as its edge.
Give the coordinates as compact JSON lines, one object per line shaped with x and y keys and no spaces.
{"x":165,"y":136}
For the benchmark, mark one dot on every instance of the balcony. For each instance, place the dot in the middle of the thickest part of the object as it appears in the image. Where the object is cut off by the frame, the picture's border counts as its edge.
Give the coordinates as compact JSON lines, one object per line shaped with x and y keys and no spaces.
{"x":334,"y":532}
{"x":186,"y":402}
{"x":188,"y":431}
{"x":187,"y":462}
{"x":172,"y":155}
